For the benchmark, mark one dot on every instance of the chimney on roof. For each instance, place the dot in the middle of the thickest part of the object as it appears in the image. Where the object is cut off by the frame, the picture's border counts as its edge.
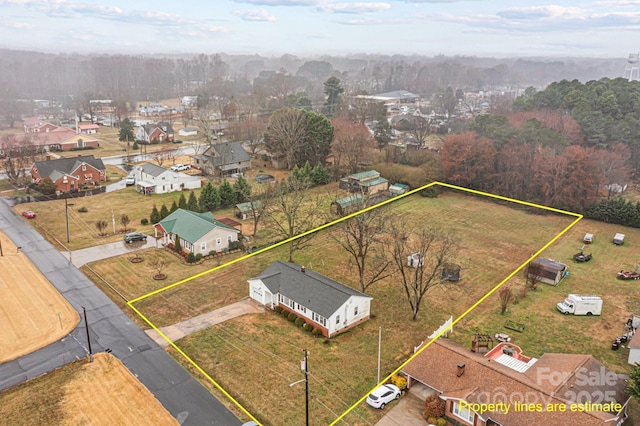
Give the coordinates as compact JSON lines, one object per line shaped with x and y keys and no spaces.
{"x":460,"y":369}
{"x":302,"y":269}
{"x":48,"y":157}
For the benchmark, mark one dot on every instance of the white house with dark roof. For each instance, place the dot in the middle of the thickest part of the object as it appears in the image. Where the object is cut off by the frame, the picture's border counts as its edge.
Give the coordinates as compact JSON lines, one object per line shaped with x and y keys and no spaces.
{"x":153,"y":179}
{"x":223,"y":158}
{"x":326,"y":304}
{"x":198,"y":232}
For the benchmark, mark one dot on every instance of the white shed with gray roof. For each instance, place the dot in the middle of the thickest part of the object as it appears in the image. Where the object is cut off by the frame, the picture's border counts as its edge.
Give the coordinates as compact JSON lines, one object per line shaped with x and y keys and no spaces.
{"x":322,"y":302}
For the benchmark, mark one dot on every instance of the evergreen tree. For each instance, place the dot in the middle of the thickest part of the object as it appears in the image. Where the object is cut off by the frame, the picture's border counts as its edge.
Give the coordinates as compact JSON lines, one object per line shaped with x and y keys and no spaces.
{"x":177,"y":247}
{"x":174,"y":207}
{"x":135,"y":146}
{"x":126,"y":131}
{"x":192,"y":204}
{"x":164,"y":212}
{"x":320,"y":175}
{"x":155,"y":215}
{"x":209,"y":198}
{"x":242,"y":189}
{"x":182,"y":202}
{"x":227,"y":196}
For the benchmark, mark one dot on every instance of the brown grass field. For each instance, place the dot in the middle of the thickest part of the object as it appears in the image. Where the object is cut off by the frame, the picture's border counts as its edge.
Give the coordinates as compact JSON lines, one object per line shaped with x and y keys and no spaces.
{"x":265,"y":347}
{"x":32,"y":312}
{"x":102,"y":392}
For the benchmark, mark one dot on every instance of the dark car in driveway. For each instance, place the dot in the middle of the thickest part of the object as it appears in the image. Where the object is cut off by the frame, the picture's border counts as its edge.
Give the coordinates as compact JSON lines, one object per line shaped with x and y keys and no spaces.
{"x":134,"y":236}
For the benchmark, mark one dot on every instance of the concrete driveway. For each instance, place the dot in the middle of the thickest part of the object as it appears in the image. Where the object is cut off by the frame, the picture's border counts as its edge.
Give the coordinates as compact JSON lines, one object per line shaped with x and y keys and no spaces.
{"x":91,"y":254}
{"x":184,"y":328}
{"x":408,"y":411}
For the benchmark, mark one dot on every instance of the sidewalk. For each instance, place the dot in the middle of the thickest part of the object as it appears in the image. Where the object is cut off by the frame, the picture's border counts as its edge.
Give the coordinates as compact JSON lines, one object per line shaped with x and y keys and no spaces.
{"x":185,"y":328}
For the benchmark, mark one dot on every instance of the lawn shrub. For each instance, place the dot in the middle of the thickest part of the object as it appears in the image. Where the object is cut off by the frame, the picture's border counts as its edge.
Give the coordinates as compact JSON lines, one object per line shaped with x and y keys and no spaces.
{"x":213,"y":253}
{"x":285,"y":313}
{"x":191,"y":258}
{"x":198,"y":257}
{"x":292,"y":317}
{"x":316,"y":332}
{"x":300,"y":321}
{"x":399,"y":381}
{"x":441,"y":421}
{"x":433,"y":407}
{"x":278,"y":309}
{"x":307,"y":327}
{"x":233,"y":245}
{"x":83,"y":209}
{"x":144,"y":221}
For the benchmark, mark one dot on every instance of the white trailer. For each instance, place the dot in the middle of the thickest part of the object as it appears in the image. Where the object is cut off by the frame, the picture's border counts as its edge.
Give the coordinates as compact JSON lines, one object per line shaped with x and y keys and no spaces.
{"x":578,"y":304}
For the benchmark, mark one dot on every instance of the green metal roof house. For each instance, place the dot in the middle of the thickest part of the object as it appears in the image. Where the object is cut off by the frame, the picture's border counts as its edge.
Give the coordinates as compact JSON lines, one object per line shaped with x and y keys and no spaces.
{"x":198,"y":232}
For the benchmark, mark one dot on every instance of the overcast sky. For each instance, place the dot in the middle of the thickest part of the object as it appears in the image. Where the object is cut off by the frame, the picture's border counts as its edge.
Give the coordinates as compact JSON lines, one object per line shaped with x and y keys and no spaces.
{"x":606,"y":28}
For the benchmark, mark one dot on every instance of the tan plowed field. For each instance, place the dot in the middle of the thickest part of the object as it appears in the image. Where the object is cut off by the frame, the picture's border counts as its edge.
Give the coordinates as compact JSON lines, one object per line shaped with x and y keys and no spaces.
{"x":33,"y":314}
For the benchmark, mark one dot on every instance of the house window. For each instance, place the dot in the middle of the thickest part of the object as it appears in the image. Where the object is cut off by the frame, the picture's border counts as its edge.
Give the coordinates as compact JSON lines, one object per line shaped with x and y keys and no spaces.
{"x":228,"y":238}
{"x":355,"y":311}
{"x":337,"y":319}
{"x":219,"y":241}
{"x":464,"y":413}
{"x":203,"y":247}
{"x":84,"y":168}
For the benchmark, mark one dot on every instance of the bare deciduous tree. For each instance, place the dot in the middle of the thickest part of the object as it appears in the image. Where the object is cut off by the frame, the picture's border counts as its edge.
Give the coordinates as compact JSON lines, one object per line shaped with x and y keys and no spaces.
{"x":429,"y":248}
{"x":101,"y":225}
{"x":124,"y":221}
{"x":285,"y":134}
{"x":533,"y":275}
{"x":157,"y":263}
{"x":360,"y":236}
{"x":293,"y":211}
{"x":260,"y":199}
{"x":352,"y":144}
{"x":506,"y":297}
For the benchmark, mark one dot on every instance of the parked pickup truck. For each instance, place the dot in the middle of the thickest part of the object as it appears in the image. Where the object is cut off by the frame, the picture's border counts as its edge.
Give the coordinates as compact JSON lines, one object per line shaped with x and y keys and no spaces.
{"x":180,"y":167}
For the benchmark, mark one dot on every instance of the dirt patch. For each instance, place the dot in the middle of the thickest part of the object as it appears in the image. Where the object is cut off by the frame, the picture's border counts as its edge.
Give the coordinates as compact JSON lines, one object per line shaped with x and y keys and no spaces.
{"x":32,"y":312}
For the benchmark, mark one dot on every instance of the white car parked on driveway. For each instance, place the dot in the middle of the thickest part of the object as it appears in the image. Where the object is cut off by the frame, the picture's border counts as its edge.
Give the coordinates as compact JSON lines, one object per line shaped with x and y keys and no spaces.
{"x":180,"y":167}
{"x":383,"y":395}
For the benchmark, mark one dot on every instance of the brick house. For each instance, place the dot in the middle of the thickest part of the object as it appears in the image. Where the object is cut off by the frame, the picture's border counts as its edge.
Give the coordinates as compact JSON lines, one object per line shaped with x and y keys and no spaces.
{"x":69,"y":174}
{"x":505,"y":375}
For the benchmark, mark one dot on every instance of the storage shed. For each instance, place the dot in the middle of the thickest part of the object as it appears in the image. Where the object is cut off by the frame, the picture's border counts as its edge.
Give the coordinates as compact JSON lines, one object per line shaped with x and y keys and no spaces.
{"x":547,"y":271}
{"x":618,"y":239}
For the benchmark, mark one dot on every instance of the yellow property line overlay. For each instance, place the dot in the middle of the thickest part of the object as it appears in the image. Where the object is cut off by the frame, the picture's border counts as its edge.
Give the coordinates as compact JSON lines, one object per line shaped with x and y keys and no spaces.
{"x":131,"y":303}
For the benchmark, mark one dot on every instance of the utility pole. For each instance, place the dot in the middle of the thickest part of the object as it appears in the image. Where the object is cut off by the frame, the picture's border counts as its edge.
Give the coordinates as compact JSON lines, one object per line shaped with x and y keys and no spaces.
{"x":306,"y":385}
{"x":86,"y":325}
{"x":66,"y":213}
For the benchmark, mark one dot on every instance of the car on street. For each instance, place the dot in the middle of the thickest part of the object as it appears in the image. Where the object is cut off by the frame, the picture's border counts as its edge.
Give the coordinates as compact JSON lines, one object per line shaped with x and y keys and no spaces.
{"x":29,"y":214}
{"x":130,"y":180}
{"x":134,"y":236}
{"x":383,"y":395}
{"x":180,"y":167}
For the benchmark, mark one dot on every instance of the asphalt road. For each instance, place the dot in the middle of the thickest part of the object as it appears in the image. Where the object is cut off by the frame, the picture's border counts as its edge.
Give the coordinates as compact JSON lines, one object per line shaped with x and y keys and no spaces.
{"x":182,"y":395}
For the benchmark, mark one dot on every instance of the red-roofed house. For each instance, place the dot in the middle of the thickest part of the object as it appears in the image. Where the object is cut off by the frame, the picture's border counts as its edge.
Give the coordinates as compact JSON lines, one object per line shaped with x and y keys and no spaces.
{"x":524,"y":390}
{"x":88,"y":129}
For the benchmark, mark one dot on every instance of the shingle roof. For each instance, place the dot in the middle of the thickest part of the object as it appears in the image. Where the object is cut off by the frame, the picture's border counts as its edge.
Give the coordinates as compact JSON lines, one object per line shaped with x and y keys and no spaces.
{"x":316,"y":292}
{"x":487,"y":381}
{"x":191,"y":226}
{"x":153,"y":169}
{"x":65,"y":166}
{"x":227,"y":153}
{"x":248,"y":206}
